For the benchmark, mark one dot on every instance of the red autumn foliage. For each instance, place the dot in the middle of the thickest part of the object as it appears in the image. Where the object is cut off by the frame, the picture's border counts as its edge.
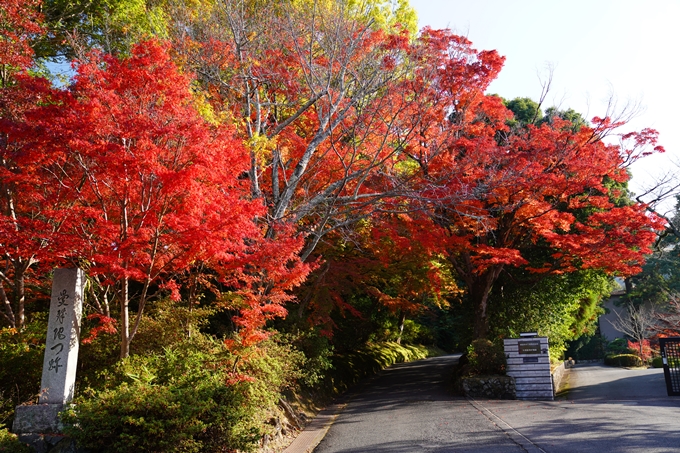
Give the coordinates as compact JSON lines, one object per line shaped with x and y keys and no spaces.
{"x":155,"y":188}
{"x":19,"y":23}
{"x":644,"y":351}
{"x":105,"y":324}
{"x":493,"y":194}
{"x":541,"y":188}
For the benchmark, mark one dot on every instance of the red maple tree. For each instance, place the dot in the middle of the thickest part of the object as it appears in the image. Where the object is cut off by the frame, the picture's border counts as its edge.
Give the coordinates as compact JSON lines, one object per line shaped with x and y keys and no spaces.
{"x":157,"y":188}
{"x":496,"y":192}
{"x":27,"y":207}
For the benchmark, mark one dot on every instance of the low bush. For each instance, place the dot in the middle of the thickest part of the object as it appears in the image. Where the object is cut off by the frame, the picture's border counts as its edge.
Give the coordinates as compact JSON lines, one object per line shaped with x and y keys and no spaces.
{"x":10,"y":444}
{"x":194,"y":397}
{"x":485,"y":358}
{"x":21,"y":360}
{"x":623,"y":360}
{"x":657,"y":362}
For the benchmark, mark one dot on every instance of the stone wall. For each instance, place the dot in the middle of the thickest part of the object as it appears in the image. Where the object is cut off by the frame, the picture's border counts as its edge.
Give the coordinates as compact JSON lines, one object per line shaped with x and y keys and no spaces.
{"x":559,"y":374}
{"x":493,"y":387}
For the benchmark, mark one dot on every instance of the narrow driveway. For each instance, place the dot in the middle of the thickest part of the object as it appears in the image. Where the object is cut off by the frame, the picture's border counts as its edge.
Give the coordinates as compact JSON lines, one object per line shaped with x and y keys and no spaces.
{"x":408,"y":409}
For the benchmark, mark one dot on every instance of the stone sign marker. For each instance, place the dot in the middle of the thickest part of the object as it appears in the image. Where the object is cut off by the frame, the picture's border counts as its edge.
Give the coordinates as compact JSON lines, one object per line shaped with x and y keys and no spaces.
{"x":529,"y":363}
{"x":61,"y":355}
{"x":63,"y":336}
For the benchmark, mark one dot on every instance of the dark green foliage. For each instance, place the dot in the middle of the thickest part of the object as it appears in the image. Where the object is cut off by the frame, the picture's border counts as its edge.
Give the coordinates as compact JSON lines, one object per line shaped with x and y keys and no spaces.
{"x":317,"y":352}
{"x":439,"y":326}
{"x":657,"y":362}
{"x":526,"y":111}
{"x":587,"y":347}
{"x":95,"y":360}
{"x":349,"y":368}
{"x":619,"y":346}
{"x":623,"y":360}
{"x":485,"y":357}
{"x":10,"y":444}
{"x":560,"y":307}
{"x":21,"y":359}
{"x":110,"y":25}
{"x":576,"y":119}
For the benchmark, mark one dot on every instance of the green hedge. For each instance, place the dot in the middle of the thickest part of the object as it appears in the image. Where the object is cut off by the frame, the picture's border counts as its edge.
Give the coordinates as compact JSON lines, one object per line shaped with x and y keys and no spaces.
{"x":657,"y":362}
{"x":623,"y":360}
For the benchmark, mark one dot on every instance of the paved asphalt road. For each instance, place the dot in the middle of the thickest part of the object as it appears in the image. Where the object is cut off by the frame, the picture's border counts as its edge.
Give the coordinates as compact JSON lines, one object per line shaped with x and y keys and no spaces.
{"x":408,"y":409}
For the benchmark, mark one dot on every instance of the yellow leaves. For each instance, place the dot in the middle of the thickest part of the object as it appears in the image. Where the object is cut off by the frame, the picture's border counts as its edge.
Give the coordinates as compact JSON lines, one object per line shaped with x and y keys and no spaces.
{"x":261,"y":146}
{"x":407,"y":167}
{"x":207,"y":111}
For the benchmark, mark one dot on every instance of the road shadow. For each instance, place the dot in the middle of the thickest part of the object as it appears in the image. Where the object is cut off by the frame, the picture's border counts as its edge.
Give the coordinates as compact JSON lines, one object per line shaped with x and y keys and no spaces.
{"x":417,"y":382}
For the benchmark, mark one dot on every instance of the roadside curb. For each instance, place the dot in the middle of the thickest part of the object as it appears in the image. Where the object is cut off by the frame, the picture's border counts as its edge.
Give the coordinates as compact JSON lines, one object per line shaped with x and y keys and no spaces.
{"x":314,"y":433}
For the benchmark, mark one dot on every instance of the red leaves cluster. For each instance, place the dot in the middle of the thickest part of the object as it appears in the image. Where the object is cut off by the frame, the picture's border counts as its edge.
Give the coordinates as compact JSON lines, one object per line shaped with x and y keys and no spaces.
{"x":644,"y":350}
{"x":19,"y":22}
{"x":546,"y":184}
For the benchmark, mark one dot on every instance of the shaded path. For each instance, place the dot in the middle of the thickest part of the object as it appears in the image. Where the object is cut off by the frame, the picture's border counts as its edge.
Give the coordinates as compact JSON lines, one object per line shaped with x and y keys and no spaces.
{"x":407,"y":409}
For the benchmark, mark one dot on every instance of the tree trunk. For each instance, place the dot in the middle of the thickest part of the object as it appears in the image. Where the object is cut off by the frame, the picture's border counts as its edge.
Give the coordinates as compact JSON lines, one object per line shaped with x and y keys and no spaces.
{"x":481,"y":325}
{"x":124,"y":320}
{"x":402,"y":320}
{"x":479,"y":291}
{"x":9,"y":313}
{"x":20,"y":288}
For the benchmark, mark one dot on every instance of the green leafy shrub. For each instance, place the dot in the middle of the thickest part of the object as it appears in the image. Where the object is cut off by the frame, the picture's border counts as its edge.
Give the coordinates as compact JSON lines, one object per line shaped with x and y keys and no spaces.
{"x":168,"y":323}
{"x":417,"y":333}
{"x":657,"y":362}
{"x":10,"y":444}
{"x":194,"y":397}
{"x":623,"y":360}
{"x":485,"y":357}
{"x":21,"y":359}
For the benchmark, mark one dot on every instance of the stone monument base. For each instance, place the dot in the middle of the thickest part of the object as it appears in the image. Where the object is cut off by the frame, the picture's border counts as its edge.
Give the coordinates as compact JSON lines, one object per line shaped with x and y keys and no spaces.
{"x":39,"y":426}
{"x":37,"y":418}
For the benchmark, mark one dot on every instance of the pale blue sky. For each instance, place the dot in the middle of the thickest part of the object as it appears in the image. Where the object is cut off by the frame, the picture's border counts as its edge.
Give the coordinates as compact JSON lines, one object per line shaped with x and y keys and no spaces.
{"x":597,"y":48}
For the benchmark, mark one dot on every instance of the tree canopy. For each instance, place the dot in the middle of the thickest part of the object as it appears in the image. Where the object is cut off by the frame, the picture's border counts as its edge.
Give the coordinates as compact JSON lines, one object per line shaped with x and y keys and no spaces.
{"x":231,"y":149}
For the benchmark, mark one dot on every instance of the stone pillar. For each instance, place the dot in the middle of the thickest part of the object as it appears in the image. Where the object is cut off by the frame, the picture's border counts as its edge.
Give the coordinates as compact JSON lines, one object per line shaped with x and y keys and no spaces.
{"x":63,"y":337}
{"x":529,"y":363}
{"x":61,"y":358}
